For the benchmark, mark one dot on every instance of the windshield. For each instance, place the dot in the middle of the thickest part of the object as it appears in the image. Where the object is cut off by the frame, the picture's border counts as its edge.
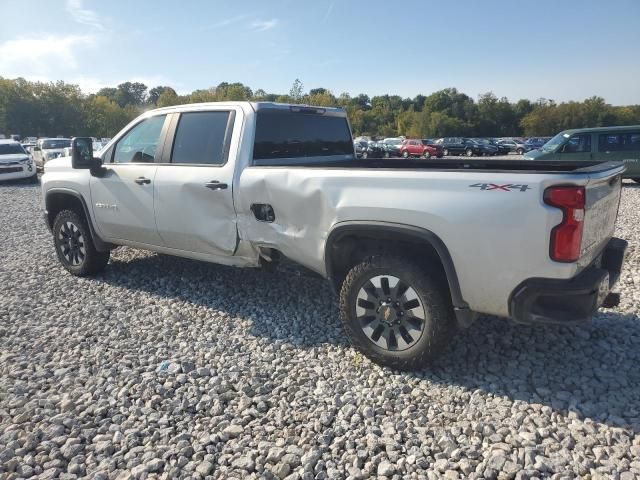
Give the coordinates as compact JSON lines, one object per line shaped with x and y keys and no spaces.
{"x":11,"y":149}
{"x":394,"y":141}
{"x":56,"y":143}
{"x":555,"y":142}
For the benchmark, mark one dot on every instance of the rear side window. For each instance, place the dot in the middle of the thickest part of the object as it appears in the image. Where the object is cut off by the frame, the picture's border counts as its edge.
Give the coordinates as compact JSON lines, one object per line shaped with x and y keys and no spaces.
{"x":200,"y":138}
{"x":282,"y":134}
{"x":619,"y":142}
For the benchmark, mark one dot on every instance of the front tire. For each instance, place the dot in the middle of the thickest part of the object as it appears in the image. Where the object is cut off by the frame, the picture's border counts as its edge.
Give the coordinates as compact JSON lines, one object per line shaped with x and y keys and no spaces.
{"x":74,"y":245}
{"x":469,"y":152}
{"x":426,"y":155}
{"x":405,"y":154}
{"x":445,"y":152}
{"x":396,"y":313}
{"x":520,"y":151}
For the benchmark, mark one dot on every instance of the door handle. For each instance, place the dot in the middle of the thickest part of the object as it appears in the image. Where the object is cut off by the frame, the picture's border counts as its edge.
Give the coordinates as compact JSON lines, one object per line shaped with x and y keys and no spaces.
{"x":142,"y":181}
{"x":215,"y":185}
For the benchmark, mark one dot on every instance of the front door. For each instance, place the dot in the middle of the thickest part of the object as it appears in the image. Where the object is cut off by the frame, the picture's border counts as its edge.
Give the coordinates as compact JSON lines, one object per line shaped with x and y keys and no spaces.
{"x":122,"y":198}
{"x":194,"y":185}
{"x":578,"y":147}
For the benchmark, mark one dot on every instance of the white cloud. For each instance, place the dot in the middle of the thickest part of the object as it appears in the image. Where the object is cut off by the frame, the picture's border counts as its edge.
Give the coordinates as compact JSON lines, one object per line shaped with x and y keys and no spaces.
{"x":84,"y":15}
{"x":264,"y":25}
{"x":328,"y":12}
{"x":226,"y":22}
{"x":41,"y":56}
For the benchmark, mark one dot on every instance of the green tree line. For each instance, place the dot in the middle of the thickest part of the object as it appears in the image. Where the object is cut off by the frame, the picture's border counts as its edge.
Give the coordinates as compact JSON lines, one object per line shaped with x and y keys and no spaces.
{"x":59,"y":108}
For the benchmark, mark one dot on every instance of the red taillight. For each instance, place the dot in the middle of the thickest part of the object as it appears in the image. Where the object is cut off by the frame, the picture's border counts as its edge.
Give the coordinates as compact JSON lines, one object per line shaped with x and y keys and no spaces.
{"x":567,"y":236}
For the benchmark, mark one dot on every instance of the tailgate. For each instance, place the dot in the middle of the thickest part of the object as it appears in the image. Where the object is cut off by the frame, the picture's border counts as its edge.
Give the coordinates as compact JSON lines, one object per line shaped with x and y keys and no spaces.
{"x":602,"y":200}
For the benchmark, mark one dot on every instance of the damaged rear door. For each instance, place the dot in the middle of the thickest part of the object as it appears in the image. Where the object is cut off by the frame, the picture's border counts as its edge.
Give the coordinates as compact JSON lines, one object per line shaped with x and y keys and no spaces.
{"x":194,"y":208}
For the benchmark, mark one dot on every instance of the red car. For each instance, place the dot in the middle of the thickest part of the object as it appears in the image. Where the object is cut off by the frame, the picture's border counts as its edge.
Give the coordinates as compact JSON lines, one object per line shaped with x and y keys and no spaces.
{"x":420,"y":148}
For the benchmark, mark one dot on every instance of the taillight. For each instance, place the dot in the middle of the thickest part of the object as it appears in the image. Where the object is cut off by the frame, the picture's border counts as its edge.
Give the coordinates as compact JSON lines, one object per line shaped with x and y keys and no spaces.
{"x":566,"y":237}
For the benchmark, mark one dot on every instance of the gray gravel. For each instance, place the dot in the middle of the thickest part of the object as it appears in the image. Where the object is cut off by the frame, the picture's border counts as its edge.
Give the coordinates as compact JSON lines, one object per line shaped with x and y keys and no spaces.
{"x":168,"y":368}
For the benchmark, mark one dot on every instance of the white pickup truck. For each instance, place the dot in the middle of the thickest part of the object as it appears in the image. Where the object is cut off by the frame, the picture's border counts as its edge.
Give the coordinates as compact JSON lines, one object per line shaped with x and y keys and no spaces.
{"x":415,"y":248}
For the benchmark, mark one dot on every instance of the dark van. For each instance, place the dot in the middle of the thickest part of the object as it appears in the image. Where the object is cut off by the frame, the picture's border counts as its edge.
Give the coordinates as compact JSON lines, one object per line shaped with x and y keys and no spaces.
{"x":602,"y":143}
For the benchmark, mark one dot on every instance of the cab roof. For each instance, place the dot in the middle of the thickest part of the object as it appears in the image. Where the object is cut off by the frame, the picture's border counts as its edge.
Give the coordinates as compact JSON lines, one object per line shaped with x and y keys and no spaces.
{"x":256,"y":106}
{"x":622,"y":128}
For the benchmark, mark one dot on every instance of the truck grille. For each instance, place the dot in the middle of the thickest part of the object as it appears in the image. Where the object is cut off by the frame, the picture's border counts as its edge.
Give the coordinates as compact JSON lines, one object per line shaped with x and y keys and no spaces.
{"x":10,"y":170}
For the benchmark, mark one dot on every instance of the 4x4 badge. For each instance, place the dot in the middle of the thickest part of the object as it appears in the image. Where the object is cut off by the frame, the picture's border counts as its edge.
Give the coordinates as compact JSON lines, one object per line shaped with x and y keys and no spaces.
{"x":507,"y":187}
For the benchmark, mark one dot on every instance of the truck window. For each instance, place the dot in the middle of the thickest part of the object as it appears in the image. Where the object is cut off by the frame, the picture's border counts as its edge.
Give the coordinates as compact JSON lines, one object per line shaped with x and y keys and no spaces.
{"x":200,"y":138}
{"x":578,"y":144}
{"x":619,"y":142}
{"x":139,"y":144}
{"x":282,"y":134}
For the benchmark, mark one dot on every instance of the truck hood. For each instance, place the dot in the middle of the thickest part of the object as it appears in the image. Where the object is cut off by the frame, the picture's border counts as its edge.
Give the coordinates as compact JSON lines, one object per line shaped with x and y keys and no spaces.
{"x":58,"y":164}
{"x":533,"y":154}
{"x":52,"y":150}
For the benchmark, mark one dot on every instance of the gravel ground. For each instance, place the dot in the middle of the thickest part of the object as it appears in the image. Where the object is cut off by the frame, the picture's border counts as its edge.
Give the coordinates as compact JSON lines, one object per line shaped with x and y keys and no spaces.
{"x":163,"y":367}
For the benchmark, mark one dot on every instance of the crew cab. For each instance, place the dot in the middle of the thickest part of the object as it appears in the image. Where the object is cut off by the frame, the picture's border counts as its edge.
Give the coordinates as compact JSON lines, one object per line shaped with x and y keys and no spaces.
{"x":416,"y":250}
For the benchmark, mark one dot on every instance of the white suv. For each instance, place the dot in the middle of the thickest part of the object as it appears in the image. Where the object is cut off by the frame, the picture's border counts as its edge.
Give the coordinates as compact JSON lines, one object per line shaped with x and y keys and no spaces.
{"x":15,"y":162}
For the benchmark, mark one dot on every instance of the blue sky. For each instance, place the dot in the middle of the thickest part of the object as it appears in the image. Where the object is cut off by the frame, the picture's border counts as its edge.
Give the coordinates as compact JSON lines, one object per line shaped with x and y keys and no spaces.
{"x":564,"y":50}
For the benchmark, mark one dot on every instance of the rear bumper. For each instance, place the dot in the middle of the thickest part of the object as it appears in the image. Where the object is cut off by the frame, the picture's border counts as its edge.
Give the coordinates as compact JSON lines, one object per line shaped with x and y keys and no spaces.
{"x":566,"y":302}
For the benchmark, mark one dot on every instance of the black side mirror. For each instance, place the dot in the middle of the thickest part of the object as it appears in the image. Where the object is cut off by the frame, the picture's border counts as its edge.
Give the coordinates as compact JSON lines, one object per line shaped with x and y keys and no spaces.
{"x":82,"y":153}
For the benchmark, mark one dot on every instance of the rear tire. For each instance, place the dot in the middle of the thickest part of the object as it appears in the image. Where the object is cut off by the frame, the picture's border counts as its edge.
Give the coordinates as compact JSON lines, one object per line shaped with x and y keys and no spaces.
{"x":396,"y":313}
{"x":469,"y":152}
{"x":74,"y":245}
{"x":426,"y":155}
{"x":405,"y":154}
{"x":520,"y":151}
{"x":445,"y":152}
{"x":365,"y":155}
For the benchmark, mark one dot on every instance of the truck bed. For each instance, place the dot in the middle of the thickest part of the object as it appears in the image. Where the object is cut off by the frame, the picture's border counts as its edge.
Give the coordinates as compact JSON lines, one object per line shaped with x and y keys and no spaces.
{"x":479,"y":164}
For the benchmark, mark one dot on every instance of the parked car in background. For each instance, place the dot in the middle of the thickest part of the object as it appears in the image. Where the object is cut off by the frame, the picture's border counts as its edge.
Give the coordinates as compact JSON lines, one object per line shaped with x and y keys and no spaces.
{"x":599,"y":144}
{"x":533,"y":143}
{"x":414,"y":147}
{"x":392,"y":146}
{"x":369,"y":149}
{"x":49,"y":148}
{"x":486,"y":149}
{"x":15,"y":162}
{"x":459,"y":146}
{"x":499,"y":149}
{"x":514,"y":145}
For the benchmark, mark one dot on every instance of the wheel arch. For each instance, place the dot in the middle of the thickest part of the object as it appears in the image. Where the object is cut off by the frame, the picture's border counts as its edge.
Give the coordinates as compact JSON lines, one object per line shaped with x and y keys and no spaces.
{"x":58,"y":199}
{"x":341,"y":250}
